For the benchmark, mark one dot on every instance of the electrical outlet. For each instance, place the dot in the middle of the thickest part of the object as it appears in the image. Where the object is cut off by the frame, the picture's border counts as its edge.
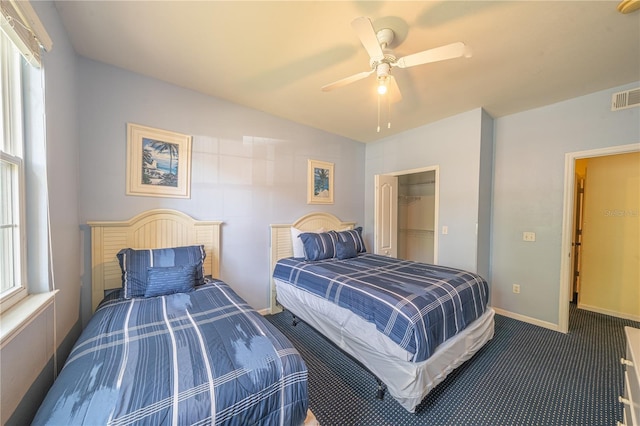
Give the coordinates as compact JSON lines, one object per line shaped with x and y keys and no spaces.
{"x":528,"y":236}
{"x":516,"y":288}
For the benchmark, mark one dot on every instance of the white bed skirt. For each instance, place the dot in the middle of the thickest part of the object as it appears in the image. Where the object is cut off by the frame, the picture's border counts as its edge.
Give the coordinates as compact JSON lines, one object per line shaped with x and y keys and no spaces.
{"x":406,"y":381}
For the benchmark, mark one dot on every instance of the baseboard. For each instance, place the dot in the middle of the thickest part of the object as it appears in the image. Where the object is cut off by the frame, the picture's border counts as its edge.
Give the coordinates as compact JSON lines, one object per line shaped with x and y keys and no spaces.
{"x":610,"y":313}
{"x":529,"y":320}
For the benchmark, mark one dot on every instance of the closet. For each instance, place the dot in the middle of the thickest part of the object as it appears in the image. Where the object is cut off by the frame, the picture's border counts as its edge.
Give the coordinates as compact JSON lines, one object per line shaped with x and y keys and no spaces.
{"x":416,"y":216}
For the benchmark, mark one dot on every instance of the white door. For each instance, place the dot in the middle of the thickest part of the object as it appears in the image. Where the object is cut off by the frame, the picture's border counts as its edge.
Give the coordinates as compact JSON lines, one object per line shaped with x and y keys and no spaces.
{"x":386,"y":215}
{"x":577,"y":237}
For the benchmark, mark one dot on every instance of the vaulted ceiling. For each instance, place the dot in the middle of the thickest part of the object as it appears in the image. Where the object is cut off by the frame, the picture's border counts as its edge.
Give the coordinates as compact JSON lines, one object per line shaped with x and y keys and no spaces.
{"x":274,"y":56}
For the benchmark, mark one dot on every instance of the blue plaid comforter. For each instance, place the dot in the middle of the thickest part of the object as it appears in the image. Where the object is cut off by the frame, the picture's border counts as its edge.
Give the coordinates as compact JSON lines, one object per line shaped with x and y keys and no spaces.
{"x":417,"y":305}
{"x":203,"y":357}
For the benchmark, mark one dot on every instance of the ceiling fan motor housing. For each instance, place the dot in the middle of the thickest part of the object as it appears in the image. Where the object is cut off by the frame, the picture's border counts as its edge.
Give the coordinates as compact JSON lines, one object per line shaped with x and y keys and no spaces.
{"x":383,"y":69}
{"x":385,"y":37}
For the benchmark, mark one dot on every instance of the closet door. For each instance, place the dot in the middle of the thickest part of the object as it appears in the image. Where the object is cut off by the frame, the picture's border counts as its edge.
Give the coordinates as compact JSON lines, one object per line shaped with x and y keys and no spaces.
{"x":386,"y":215}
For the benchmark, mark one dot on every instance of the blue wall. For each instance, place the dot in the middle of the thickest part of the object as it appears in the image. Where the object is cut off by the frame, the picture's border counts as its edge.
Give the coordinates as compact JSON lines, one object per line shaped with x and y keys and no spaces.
{"x":249,"y":169}
{"x":528,"y":193}
{"x":454,"y":145}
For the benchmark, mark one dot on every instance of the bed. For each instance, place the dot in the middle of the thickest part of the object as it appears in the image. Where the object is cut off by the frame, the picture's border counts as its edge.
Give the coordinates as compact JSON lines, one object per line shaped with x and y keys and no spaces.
{"x":407,"y":349}
{"x":169,"y":343}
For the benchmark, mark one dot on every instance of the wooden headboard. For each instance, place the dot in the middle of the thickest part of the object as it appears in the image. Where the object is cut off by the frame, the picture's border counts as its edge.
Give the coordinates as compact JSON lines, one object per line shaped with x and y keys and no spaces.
{"x":281,"y":245}
{"x":158,"y":228}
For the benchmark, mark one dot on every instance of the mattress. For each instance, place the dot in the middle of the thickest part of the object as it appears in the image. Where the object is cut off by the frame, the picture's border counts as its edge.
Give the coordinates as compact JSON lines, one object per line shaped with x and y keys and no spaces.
{"x":416,"y":305}
{"x":202,"y":357}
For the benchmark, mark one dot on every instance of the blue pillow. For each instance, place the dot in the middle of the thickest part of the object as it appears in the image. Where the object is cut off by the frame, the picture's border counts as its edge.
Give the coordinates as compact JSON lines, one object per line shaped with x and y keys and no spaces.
{"x":319,"y":246}
{"x":170,"y":279}
{"x":134,"y":264}
{"x":354,"y":236}
{"x":345,"y":250}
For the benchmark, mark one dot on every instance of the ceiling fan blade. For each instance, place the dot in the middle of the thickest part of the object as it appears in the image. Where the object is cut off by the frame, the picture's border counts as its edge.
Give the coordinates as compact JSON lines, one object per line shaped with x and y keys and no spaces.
{"x":450,"y":51}
{"x":347,"y":80}
{"x":364,"y":29}
{"x":394,"y":91}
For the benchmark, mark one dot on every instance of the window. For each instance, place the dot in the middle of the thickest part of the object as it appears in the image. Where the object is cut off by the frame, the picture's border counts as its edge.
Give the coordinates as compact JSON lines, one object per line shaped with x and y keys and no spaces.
{"x":13,"y":283}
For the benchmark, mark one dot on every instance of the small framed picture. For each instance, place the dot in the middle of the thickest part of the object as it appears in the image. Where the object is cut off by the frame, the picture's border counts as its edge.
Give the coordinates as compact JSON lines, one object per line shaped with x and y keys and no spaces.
{"x":158,"y":162}
{"x":320,"y":182}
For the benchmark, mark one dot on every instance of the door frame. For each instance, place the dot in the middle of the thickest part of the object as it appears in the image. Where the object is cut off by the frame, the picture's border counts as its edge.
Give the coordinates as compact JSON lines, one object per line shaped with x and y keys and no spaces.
{"x":436,"y":204}
{"x":568,"y":216}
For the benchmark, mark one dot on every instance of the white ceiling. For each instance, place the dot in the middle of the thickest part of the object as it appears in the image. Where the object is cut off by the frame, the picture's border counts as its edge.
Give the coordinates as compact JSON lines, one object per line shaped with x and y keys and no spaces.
{"x":274,"y":56}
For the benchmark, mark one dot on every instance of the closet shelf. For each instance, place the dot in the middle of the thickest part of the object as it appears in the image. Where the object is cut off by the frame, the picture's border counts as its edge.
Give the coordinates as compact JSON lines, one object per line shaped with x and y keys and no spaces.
{"x":409,"y":198}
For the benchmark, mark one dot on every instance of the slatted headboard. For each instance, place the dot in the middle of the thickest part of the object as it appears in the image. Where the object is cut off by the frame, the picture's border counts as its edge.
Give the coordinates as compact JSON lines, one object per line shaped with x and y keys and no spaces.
{"x":158,"y":228}
{"x":281,"y":245}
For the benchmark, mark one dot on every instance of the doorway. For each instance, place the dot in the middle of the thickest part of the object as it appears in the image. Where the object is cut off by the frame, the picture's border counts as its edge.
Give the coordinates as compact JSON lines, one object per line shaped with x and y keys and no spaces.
{"x":406,"y":214}
{"x":572,"y":254}
{"x":416,"y":209}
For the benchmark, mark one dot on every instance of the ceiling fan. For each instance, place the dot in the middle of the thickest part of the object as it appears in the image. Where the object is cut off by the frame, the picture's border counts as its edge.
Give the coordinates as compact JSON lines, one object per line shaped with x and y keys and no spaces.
{"x":382,"y":59}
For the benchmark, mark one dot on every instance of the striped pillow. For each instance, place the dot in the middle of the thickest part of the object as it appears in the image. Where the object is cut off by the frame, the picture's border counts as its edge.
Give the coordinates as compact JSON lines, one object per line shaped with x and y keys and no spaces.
{"x":296,"y":243}
{"x":134,"y":264}
{"x":319,"y":246}
{"x":170,"y":280}
{"x":345,"y":250}
{"x":354,"y":236}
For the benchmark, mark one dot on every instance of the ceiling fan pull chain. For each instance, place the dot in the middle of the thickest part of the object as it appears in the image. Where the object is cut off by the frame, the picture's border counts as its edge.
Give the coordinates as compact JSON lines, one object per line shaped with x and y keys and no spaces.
{"x":388,"y":113}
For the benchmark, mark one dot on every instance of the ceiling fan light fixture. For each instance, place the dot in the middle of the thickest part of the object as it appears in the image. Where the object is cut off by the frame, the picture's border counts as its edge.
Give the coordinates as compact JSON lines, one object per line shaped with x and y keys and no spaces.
{"x":383,"y":83}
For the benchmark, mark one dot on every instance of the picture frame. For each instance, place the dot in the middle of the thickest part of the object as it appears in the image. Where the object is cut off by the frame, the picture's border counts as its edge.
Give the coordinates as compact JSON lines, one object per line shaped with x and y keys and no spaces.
{"x":320,"y":182}
{"x":158,"y":162}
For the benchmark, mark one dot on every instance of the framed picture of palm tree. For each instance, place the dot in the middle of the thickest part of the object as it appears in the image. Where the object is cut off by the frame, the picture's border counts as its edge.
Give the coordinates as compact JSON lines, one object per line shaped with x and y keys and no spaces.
{"x":158,"y":162}
{"x":320,"y":182}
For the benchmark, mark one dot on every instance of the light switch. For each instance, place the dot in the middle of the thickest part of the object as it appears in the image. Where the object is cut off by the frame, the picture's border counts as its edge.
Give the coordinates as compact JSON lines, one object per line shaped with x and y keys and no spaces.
{"x":528,"y":236}
{"x":445,"y":230}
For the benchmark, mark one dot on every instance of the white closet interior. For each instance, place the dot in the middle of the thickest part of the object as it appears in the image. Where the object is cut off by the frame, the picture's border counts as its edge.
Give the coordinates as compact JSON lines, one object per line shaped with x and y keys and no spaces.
{"x":416,"y":211}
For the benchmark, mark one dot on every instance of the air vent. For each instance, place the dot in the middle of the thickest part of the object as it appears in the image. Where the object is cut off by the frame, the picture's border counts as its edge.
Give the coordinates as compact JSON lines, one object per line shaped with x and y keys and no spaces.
{"x":626,"y":99}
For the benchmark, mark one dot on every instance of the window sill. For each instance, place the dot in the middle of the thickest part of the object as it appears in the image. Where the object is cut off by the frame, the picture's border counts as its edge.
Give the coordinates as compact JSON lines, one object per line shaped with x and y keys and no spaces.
{"x":15,"y":319}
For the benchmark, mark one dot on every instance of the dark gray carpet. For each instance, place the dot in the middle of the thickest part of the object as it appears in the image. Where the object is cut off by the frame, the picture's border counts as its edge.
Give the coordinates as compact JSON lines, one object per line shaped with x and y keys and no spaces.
{"x":526,"y":375}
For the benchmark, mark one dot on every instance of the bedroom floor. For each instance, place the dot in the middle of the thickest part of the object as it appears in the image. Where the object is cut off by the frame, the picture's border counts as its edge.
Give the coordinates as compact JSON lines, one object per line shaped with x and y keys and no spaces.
{"x":525,"y":375}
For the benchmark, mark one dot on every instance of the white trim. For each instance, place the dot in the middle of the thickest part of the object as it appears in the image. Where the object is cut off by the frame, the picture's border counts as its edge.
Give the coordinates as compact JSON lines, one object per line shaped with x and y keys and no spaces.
{"x":567,"y":222}
{"x":436,"y":205}
{"x":21,"y":24}
{"x":609,"y":312}
{"x":21,"y":315}
{"x":524,"y":318}
{"x":31,"y":19}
